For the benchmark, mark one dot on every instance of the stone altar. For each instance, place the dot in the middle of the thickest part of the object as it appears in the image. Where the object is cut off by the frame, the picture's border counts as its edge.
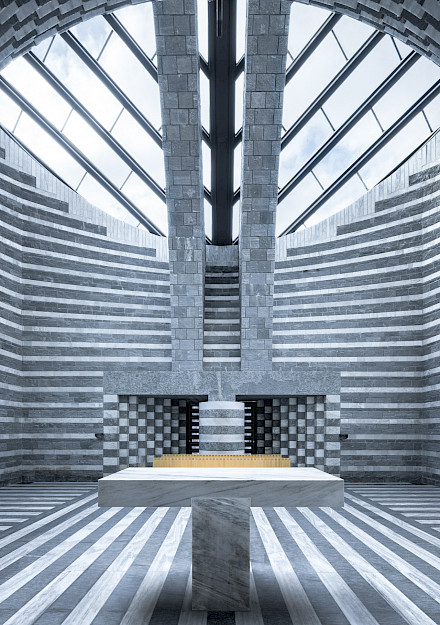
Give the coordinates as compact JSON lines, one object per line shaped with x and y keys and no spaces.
{"x":220,"y":499}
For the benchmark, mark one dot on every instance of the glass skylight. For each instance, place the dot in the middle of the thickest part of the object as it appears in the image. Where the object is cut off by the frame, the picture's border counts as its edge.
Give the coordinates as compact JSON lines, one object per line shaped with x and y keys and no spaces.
{"x":305,"y":172}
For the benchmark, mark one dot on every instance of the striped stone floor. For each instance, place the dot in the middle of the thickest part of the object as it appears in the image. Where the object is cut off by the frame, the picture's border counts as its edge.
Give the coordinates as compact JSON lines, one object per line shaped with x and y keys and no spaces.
{"x":375,"y":562}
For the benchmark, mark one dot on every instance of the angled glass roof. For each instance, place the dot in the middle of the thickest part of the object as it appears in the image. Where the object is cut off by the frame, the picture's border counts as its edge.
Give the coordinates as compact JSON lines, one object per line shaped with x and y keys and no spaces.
{"x":86,"y":103}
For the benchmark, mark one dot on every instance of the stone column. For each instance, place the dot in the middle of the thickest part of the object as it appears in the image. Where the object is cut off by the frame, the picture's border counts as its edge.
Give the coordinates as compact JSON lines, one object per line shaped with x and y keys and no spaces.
{"x":266,"y":53}
{"x":178,"y":72}
{"x":221,"y":427}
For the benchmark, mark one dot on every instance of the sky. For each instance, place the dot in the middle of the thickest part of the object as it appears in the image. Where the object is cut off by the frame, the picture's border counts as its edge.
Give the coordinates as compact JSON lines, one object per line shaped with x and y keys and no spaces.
{"x":115,"y":58}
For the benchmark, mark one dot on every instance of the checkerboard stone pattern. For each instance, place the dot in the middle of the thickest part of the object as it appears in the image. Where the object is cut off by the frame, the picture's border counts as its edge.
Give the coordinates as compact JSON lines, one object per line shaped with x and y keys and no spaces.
{"x":137,"y":429}
{"x":305,"y":428}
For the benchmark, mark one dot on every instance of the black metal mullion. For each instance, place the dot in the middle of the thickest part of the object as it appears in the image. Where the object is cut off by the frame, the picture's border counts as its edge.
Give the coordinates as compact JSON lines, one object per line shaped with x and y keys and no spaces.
{"x":102,"y":75}
{"x":222,"y":69}
{"x":132,"y":45}
{"x":97,"y":127}
{"x":332,"y":86}
{"x":398,"y":125}
{"x":372,"y":99}
{"x":78,"y":156}
{"x":312,"y":45}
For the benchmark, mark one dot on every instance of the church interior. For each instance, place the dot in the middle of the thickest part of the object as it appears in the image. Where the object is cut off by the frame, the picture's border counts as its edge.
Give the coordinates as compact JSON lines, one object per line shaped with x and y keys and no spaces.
{"x":220,"y":267}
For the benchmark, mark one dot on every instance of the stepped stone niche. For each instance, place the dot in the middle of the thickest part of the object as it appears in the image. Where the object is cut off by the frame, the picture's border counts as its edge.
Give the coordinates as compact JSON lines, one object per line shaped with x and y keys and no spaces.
{"x":141,"y":423}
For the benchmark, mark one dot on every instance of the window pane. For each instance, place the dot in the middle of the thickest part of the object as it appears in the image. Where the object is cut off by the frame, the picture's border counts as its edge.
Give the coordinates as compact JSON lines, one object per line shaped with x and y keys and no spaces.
{"x":204,"y":101}
{"x":433,"y":113}
{"x":348,"y":150}
{"x":42,"y":48}
{"x":208,"y":219}
{"x":352,"y":34}
{"x":362,"y":82}
{"x":405,"y":93}
{"x":237,"y":166}
{"x":304,"y":22}
{"x":139,"y":21}
{"x":239,"y":88}
{"x":206,"y":159}
{"x":131,"y":77}
{"x":141,"y":146}
{"x":311,"y":79}
{"x":235,"y":220}
{"x":403,"y":48}
{"x":349,"y":193}
{"x":395,"y":151}
{"x":303,"y":146}
{"x":147,"y":202}
{"x":92,"y":34}
{"x":49,"y":151}
{"x":202,"y":27}
{"x":9,"y":111}
{"x":81,"y":81}
{"x":96,"y":149}
{"x":241,"y":28}
{"x":36,"y":90}
{"x":92,"y":191}
{"x":294,"y":204}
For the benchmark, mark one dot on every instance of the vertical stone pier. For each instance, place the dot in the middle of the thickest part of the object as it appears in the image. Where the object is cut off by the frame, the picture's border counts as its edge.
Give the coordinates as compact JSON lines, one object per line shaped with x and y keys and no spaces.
{"x":221,"y":427}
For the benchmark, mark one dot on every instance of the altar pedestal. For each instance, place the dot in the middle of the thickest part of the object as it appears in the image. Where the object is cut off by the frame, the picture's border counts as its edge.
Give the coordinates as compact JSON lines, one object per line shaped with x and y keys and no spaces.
{"x":220,"y":553}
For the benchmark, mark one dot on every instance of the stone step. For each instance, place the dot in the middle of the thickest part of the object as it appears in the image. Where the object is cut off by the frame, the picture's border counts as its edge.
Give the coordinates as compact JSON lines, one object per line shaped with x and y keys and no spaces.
{"x":219,"y":333}
{"x":222,"y":288}
{"x":220,"y":365}
{"x":229,"y":315}
{"x":221,"y":295}
{"x":221,"y":349}
{"x":231,"y":341}
{"x":223,"y":300}
{"x":221,"y":269}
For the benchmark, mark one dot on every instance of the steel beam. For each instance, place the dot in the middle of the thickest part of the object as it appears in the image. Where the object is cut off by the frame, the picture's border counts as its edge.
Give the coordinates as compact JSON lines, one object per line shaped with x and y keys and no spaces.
{"x":373,"y":98}
{"x":222,"y":69}
{"x":102,"y":75}
{"x":132,"y":45}
{"x":332,"y":86}
{"x":62,"y":90}
{"x":78,"y":156}
{"x":204,"y":67}
{"x":391,"y":132}
{"x":312,"y":45}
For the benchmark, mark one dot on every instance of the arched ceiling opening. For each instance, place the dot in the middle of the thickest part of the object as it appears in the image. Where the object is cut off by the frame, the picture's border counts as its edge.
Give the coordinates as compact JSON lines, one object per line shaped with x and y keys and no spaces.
{"x":354,"y":97}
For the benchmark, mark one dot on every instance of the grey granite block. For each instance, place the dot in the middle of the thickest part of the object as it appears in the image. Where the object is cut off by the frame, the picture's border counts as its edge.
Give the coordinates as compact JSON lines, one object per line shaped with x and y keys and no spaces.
{"x":220,"y":553}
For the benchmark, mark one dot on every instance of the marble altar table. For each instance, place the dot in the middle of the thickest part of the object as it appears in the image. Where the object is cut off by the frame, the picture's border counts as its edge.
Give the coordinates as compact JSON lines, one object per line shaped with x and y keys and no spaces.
{"x":220,"y":499}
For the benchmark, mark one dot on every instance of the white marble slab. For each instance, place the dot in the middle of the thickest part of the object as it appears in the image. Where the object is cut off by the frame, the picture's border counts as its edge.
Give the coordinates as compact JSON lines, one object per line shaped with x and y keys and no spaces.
{"x":288,"y":487}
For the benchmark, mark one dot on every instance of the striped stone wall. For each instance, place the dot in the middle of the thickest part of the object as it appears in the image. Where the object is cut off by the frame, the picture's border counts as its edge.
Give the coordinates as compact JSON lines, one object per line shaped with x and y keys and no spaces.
{"x":10,"y":324}
{"x":359,"y":294}
{"x":94,"y":297}
{"x":431,"y":326}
